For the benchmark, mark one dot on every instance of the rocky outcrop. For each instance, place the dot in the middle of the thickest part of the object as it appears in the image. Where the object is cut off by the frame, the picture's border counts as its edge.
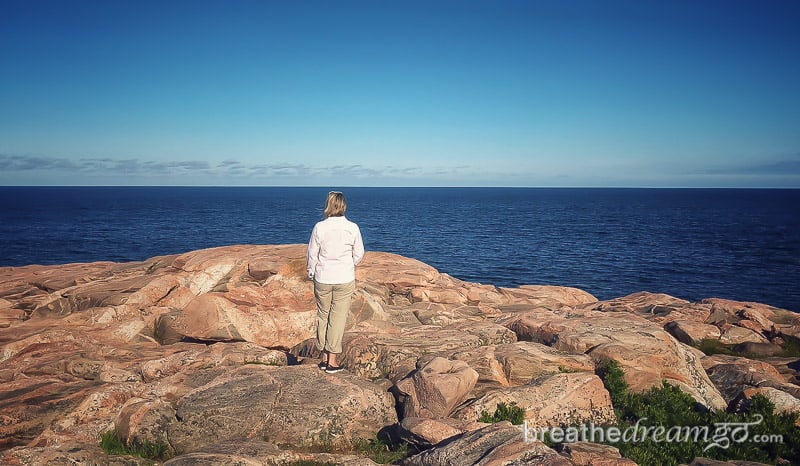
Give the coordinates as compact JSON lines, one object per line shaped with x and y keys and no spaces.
{"x":519,"y":363}
{"x":739,"y":377}
{"x":211,"y":355}
{"x":550,"y":400}
{"x":726,"y":321}
{"x":644,"y":350}
{"x":385,"y":349}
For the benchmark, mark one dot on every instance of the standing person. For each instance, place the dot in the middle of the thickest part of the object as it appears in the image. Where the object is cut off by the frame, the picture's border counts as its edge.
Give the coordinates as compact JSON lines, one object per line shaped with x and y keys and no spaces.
{"x":334,"y":250}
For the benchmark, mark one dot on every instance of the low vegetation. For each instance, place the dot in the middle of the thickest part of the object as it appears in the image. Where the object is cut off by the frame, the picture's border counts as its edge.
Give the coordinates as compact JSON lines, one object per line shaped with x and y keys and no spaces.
{"x":505,"y":412}
{"x":113,"y":445}
{"x":379,"y":449}
{"x":383,"y":452}
{"x":311,"y":463}
{"x":710,"y":347}
{"x":679,"y":414}
{"x":790,"y":348}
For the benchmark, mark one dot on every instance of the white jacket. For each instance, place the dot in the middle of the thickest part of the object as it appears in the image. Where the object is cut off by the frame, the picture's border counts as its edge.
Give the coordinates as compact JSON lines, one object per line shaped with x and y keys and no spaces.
{"x":334,"y":250}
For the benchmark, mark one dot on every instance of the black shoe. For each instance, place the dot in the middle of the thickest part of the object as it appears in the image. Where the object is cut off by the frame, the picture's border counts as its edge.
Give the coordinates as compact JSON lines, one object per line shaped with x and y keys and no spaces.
{"x":334,"y":369}
{"x":322,"y":366}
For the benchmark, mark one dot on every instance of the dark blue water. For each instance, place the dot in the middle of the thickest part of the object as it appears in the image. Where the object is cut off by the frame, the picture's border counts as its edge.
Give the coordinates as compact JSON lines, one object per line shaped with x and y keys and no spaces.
{"x":689,"y":243}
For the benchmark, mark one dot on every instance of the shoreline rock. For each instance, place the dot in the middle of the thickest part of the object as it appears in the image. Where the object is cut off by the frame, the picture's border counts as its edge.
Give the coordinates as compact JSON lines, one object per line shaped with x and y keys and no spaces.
{"x":211,"y":354}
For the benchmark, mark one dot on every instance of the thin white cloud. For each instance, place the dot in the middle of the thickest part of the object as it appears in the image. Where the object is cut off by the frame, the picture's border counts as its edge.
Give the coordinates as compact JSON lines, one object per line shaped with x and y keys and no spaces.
{"x":776,"y":167}
{"x":229,"y":163}
{"x":226,"y":169}
{"x":9,"y":163}
{"x":280,"y":169}
{"x":20,"y":163}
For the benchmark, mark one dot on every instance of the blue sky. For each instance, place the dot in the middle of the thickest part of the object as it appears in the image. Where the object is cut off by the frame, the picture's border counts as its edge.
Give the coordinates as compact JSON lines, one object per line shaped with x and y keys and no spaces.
{"x":400,"y":93}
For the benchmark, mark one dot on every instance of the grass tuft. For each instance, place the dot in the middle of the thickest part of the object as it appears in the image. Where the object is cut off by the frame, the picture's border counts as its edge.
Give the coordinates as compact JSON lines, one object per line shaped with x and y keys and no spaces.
{"x":382,"y":452}
{"x":505,"y":412}
{"x":113,"y":445}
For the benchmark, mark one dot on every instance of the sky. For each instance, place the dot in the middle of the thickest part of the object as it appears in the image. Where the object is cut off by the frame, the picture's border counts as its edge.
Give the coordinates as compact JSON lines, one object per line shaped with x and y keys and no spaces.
{"x":400,"y":93}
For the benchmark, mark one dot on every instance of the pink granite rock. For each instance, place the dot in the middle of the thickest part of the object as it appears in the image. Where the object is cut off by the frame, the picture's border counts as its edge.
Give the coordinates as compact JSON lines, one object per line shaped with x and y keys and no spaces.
{"x":425,"y":432}
{"x":140,"y":422}
{"x":174,"y":347}
{"x":656,"y":307}
{"x":494,"y":445}
{"x":594,"y":454}
{"x":734,"y":334}
{"x":692,"y":332}
{"x":734,"y":375}
{"x":514,"y":364}
{"x":646,"y":353}
{"x":390,"y":351}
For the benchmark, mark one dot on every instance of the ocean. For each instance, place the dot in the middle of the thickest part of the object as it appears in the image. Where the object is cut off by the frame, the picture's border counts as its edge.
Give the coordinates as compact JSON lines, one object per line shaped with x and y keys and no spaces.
{"x":741,"y":244}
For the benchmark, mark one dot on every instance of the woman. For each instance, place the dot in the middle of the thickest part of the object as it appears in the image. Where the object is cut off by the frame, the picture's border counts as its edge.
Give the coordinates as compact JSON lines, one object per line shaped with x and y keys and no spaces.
{"x":334,"y":250}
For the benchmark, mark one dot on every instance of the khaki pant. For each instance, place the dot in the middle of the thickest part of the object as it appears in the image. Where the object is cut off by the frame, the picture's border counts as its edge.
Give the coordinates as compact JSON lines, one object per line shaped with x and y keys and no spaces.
{"x":333,"y":305}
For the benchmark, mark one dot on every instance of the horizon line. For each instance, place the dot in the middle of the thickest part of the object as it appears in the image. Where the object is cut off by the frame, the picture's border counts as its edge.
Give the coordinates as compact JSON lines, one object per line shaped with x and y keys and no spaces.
{"x":389,"y":186}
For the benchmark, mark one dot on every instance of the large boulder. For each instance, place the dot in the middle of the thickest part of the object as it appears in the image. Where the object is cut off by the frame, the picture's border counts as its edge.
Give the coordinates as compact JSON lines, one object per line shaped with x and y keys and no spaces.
{"x":142,"y":422}
{"x":426,"y":432}
{"x":734,"y":335}
{"x":214,"y":317}
{"x":496,"y":444}
{"x":734,"y":311}
{"x":692,"y":332}
{"x":436,"y":389}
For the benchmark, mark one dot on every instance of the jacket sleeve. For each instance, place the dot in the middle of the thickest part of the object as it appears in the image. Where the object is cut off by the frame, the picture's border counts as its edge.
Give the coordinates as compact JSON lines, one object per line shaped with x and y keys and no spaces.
{"x":312,"y":253}
{"x":358,"y":247}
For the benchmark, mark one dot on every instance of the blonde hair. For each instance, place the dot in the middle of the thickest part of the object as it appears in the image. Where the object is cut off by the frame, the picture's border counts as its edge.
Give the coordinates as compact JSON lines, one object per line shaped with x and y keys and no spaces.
{"x":335,"y":206}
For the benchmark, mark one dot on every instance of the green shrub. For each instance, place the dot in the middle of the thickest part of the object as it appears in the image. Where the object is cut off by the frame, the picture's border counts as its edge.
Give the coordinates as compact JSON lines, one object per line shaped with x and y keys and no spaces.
{"x":791,"y":348}
{"x":112,"y":445}
{"x":669,"y":407}
{"x":568,"y":370}
{"x":505,"y":412}
{"x":614,"y":379}
{"x":709,"y":347}
{"x":381,"y":449}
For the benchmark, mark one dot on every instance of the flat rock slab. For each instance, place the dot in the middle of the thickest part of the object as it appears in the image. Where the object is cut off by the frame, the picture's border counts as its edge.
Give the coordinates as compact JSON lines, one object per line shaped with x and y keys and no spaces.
{"x":296,"y":405}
